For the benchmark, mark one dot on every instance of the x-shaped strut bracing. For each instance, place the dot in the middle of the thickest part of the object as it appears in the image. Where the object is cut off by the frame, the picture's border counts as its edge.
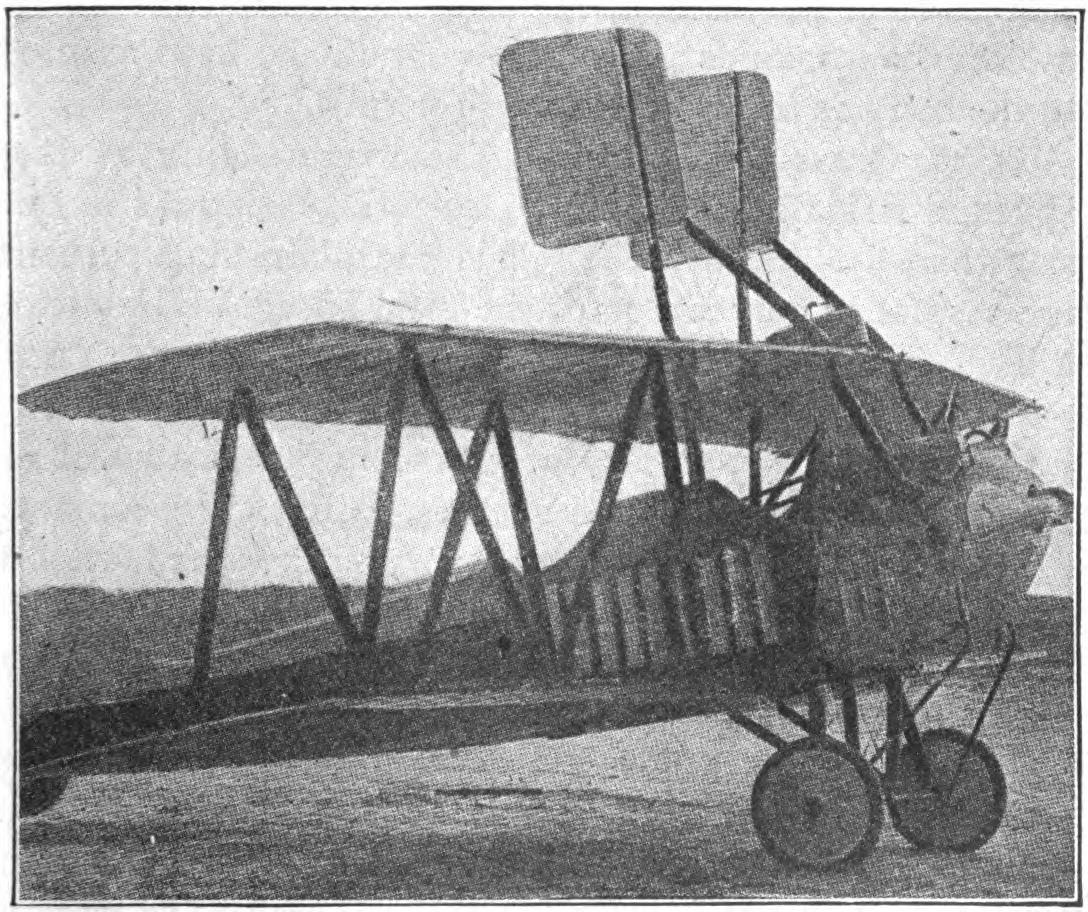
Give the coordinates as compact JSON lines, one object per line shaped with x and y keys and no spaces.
{"x":529,"y":621}
{"x":360,"y":640}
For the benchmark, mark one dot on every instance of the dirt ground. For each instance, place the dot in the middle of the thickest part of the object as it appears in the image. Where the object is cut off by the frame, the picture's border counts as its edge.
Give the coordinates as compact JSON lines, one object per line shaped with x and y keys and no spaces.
{"x":659,"y":811}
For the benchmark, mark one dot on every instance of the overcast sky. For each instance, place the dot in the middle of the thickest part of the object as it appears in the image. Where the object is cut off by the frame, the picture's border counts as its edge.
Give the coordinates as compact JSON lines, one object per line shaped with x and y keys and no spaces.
{"x":182,"y":177}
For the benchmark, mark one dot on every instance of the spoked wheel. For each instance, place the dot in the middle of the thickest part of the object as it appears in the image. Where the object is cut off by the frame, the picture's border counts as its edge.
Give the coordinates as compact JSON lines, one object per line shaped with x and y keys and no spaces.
{"x":817,"y":804}
{"x":964,"y":807}
{"x":39,"y":794}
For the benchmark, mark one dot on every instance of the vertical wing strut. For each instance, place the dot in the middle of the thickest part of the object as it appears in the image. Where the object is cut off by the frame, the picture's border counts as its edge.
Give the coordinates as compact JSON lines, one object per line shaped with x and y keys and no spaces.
{"x":383,"y":510}
{"x":217,"y":540}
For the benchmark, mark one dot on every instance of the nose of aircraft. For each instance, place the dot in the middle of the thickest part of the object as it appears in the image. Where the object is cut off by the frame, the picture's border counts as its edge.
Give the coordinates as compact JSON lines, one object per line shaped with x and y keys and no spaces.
{"x":1006,"y":496}
{"x":1055,"y":504}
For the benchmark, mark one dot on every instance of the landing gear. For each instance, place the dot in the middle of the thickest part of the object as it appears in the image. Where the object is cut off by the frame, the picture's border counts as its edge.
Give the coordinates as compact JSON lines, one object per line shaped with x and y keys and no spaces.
{"x":950,"y":797}
{"x":817,"y":804}
{"x":945,"y":789}
{"x":37,"y":795}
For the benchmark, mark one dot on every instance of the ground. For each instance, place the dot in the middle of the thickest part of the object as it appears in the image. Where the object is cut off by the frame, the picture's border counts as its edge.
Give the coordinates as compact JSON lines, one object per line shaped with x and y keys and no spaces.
{"x":658,"y":811}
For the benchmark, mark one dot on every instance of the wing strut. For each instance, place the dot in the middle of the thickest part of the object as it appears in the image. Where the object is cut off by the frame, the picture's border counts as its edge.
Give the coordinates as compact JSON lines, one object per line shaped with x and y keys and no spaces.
{"x":466,"y":486}
{"x":217,"y":540}
{"x":744,"y":313}
{"x":696,"y":470}
{"x":755,"y":466}
{"x":806,"y":272}
{"x":683,"y":603}
{"x":447,"y":556}
{"x":665,"y":430}
{"x":824,"y":290}
{"x":780,"y":305}
{"x":661,"y":285}
{"x":243,"y":406}
{"x":691,"y":412}
{"x":787,"y":480}
{"x":744,"y":309}
{"x":868,"y":432}
{"x":519,"y":512}
{"x":285,"y":491}
{"x":383,"y":510}
{"x":621,"y":449}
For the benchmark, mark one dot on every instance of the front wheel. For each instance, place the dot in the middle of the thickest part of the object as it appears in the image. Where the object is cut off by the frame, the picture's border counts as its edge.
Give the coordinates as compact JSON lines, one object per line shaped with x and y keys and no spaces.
{"x":816,"y":804}
{"x":966,"y":803}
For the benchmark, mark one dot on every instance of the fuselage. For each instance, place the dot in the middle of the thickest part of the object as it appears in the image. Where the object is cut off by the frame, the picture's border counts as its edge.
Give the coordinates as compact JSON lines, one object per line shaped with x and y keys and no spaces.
{"x":722,"y":581}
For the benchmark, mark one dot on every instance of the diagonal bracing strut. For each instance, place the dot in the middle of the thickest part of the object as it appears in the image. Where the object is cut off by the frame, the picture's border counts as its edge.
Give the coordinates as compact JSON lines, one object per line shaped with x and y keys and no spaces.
{"x":447,"y":556}
{"x":243,"y":407}
{"x":296,"y":516}
{"x":519,"y":512}
{"x":621,"y":449}
{"x":466,"y":486}
{"x":743,"y":274}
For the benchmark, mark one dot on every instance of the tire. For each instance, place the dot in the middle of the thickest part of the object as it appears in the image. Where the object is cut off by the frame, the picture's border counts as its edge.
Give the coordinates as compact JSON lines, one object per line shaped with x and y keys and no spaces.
{"x":965,"y":818}
{"x":817,"y":804}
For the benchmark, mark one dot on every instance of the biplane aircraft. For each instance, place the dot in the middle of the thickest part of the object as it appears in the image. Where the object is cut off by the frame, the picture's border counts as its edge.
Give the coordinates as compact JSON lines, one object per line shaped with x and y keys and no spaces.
{"x":902,"y":528}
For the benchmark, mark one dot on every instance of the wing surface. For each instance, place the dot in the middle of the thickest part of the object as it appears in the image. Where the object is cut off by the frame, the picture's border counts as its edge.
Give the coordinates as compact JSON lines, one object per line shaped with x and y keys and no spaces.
{"x":728,"y":166}
{"x":589,"y":120}
{"x":566,"y":385}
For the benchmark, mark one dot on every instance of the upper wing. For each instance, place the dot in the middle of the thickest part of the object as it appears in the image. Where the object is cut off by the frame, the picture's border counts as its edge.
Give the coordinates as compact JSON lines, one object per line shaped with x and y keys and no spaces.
{"x":569,"y":385}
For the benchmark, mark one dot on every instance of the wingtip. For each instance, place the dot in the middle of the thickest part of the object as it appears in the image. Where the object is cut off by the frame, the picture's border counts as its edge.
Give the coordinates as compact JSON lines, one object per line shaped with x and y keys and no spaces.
{"x":30,"y":399}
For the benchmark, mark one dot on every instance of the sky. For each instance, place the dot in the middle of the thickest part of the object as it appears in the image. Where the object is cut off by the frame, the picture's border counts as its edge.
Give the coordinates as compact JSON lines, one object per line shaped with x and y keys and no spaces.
{"x":181,"y":177}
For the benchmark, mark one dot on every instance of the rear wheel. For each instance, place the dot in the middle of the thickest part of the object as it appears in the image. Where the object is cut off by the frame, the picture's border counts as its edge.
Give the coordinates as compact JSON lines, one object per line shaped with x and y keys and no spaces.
{"x":816,"y":804}
{"x":966,"y":804}
{"x":38,"y":794}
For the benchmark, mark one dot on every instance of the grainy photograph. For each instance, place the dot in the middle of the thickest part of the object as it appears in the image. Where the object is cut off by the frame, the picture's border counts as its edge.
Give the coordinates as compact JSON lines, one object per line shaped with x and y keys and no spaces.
{"x":534,"y":454}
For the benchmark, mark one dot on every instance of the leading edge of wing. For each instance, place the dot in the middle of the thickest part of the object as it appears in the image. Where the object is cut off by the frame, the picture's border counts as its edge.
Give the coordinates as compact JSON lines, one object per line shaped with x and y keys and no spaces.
{"x":568,"y":384}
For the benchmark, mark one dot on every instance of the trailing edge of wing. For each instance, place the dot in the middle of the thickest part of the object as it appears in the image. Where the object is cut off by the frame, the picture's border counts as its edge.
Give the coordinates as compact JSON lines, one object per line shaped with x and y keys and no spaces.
{"x":566,"y":385}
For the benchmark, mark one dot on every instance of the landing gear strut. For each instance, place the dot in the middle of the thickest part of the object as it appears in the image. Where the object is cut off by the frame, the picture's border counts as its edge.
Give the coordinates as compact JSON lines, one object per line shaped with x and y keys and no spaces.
{"x":945,"y":789}
{"x":955,"y":801}
{"x":818,"y":802}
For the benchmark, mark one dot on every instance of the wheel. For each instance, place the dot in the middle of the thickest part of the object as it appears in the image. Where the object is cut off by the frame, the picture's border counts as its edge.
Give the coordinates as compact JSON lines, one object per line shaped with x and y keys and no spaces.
{"x":39,"y":794}
{"x":817,"y":804}
{"x":959,"y":816}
